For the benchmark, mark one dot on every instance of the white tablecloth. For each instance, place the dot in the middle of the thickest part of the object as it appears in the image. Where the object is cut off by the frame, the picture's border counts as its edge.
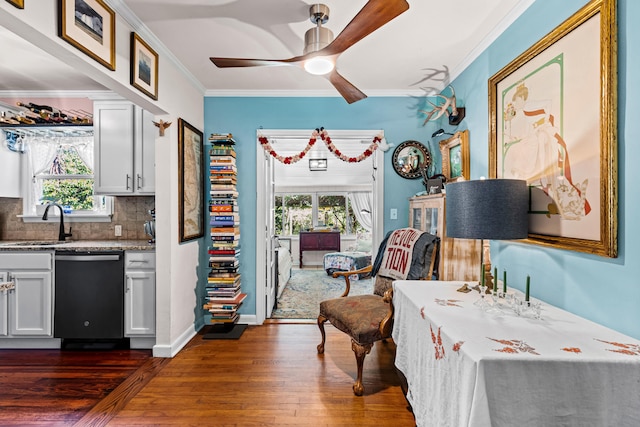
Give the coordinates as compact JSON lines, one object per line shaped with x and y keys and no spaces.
{"x":468,"y":367}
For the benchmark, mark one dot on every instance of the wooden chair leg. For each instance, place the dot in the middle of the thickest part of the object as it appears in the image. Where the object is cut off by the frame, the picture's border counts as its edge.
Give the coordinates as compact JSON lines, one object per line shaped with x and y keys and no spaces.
{"x":360,"y":350}
{"x":321,"y":320}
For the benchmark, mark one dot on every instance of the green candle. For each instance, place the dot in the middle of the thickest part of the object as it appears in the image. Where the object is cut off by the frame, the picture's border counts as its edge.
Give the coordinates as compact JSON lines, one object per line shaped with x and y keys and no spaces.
{"x":526,"y":292}
{"x":495,"y":280}
{"x":504,"y":282}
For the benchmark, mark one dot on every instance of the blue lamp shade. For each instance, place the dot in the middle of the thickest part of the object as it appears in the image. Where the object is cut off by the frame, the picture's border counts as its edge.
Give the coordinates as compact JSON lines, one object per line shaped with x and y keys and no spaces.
{"x":493,"y":209}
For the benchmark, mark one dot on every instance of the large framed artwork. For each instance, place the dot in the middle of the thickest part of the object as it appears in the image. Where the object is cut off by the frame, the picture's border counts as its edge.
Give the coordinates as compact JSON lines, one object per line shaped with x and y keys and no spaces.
{"x":191,"y":182}
{"x":455,"y":156}
{"x":90,"y":26}
{"x":553,"y":122}
{"x":144,"y":67}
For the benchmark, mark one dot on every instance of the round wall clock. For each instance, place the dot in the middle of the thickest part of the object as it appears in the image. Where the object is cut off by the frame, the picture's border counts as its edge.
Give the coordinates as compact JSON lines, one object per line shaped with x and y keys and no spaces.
{"x":410,"y":158}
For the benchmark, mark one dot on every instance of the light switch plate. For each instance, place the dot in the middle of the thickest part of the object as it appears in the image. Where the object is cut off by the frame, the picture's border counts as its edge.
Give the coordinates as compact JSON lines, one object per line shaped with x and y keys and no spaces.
{"x":118,"y":230}
{"x":393,"y":214}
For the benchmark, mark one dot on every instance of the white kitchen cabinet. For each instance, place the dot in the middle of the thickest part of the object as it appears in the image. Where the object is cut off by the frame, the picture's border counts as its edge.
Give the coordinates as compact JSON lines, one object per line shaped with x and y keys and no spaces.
{"x":26,"y":298}
{"x":124,"y":149}
{"x":140,"y":294}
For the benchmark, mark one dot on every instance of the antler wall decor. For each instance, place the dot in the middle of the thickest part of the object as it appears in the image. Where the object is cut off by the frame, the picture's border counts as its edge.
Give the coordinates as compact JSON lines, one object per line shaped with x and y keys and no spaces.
{"x":456,"y":115}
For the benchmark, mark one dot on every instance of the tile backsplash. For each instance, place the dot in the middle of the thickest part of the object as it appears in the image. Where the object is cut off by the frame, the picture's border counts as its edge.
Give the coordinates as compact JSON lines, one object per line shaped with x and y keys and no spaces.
{"x":130,"y":212}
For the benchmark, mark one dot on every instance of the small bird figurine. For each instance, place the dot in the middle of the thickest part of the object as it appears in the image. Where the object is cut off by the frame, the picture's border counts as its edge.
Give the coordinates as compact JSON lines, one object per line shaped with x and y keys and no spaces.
{"x":162,"y":125}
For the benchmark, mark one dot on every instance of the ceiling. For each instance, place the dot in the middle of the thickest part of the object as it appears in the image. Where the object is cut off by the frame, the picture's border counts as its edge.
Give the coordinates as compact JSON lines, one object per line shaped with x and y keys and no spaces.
{"x":442,"y":36}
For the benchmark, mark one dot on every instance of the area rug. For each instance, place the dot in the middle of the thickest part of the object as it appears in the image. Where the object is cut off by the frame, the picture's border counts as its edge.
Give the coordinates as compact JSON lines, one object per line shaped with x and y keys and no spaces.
{"x":307,"y":288}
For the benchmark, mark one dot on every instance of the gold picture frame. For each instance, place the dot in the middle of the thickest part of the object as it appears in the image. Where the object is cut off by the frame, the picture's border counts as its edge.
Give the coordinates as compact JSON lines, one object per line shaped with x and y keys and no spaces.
{"x":455,"y":156}
{"x":90,"y":26}
{"x":17,"y":3}
{"x":191,"y":182}
{"x":553,"y":122}
{"x":144,"y":67}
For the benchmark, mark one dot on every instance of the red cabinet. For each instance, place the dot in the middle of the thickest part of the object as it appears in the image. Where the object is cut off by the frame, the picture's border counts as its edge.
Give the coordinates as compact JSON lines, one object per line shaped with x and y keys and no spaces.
{"x":319,"y":241}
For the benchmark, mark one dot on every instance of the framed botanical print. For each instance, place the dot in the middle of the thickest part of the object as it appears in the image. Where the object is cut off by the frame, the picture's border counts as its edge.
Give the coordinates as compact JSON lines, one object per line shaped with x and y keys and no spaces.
{"x":553,"y":123}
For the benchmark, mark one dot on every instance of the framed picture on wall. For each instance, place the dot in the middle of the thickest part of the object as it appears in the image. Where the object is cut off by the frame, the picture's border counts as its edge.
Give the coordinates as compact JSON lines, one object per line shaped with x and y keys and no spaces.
{"x":455,"y":156}
{"x":190,"y":182}
{"x":553,"y":123}
{"x":17,"y":3}
{"x":144,"y":67}
{"x":90,"y":26}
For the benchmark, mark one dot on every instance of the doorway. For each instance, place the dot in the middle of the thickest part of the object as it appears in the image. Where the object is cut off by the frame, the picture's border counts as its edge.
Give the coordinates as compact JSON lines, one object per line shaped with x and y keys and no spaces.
{"x":357,"y":140}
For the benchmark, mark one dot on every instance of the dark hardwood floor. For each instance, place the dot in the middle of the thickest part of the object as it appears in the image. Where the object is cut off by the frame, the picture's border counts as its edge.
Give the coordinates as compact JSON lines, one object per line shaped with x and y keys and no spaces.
{"x":271,"y":376}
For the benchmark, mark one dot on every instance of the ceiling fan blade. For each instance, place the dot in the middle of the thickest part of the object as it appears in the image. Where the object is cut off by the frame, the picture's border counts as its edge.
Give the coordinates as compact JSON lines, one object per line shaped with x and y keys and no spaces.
{"x":372,"y":16}
{"x":250,"y":62}
{"x":348,"y":91}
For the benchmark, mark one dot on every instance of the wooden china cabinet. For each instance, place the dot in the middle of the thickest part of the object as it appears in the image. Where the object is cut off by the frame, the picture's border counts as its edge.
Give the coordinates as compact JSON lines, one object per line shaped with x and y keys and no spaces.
{"x":459,"y":258}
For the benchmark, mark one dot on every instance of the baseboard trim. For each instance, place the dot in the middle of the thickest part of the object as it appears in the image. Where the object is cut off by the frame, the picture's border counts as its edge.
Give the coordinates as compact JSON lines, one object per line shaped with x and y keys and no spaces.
{"x":163,"y":350}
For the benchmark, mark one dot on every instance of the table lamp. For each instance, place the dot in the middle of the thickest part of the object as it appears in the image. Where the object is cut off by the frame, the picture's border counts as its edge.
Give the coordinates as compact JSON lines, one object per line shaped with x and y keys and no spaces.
{"x":493,"y":209}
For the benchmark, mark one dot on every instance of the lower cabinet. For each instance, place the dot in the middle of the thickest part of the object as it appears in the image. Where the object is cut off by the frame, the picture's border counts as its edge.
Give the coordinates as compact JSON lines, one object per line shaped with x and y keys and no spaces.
{"x":140,"y":294}
{"x":26,"y":294}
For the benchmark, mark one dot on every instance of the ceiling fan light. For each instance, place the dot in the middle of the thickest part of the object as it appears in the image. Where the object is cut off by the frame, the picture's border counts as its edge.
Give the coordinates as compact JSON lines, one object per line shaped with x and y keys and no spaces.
{"x":319,"y":65}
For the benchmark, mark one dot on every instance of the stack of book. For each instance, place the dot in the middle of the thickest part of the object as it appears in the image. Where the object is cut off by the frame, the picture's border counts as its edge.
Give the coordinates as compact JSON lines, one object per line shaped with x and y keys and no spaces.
{"x":224,"y":295}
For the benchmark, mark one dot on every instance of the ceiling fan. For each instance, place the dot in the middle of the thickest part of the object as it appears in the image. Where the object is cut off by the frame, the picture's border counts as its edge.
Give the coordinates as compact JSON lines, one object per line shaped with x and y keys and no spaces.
{"x":322,"y":51}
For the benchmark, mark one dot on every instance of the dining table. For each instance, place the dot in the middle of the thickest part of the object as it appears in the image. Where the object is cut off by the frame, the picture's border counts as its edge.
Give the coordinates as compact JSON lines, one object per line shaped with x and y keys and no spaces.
{"x":484,"y":364}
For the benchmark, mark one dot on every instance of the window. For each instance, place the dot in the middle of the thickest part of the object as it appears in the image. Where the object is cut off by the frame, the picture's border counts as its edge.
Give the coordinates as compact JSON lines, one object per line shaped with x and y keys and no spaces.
{"x":299,"y":212}
{"x":61,"y":171}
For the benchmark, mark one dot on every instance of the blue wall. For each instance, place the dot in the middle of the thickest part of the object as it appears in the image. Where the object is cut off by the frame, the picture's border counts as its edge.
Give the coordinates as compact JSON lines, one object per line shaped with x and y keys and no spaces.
{"x":398,"y":117}
{"x":604,"y":290}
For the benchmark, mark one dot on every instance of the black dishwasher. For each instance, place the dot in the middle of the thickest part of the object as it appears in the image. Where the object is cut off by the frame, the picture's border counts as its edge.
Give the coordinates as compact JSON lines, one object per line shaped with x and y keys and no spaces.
{"x":89,"y":295}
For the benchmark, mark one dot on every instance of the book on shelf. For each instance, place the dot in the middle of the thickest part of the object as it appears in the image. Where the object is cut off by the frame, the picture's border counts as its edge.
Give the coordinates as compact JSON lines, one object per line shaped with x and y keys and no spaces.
{"x":226,"y":321}
{"x":223,"y":194}
{"x":222,"y":160}
{"x":224,"y":275}
{"x":225,"y":217}
{"x":220,"y":138}
{"x":226,"y":167}
{"x":223,"y":208}
{"x":235,"y":300}
{"x":224,"y":238}
{"x":223,"y":270}
{"x":222,"y":151}
{"x":223,"y":263}
{"x":225,"y":246}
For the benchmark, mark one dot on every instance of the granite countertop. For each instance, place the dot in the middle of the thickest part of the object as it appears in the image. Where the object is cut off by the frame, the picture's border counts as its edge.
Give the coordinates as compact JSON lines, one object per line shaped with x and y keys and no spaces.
{"x":80,"y":245}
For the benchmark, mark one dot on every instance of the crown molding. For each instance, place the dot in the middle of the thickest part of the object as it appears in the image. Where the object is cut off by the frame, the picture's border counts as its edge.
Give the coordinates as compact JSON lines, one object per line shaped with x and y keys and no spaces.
{"x":484,"y":44}
{"x":150,"y":38}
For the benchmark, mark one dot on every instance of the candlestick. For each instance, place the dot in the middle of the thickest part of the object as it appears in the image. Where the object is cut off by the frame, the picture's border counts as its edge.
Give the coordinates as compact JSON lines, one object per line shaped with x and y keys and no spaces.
{"x":526,"y":293}
{"x":504,"y":282}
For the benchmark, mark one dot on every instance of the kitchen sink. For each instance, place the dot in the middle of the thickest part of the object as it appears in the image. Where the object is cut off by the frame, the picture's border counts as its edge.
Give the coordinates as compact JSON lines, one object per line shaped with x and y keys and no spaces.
{"x":34,"y":243}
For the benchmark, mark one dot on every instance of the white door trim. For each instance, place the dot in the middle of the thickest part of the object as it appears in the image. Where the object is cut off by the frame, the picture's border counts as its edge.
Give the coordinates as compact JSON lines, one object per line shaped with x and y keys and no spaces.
{"x":261,"y":200}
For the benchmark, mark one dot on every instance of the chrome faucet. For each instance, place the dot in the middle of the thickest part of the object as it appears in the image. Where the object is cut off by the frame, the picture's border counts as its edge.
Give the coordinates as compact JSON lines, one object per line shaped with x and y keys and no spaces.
{"x":61,"y":235}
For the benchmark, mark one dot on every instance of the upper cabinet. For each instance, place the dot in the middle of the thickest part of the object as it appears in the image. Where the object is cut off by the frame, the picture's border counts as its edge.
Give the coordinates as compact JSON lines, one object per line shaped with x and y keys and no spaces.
{"x":124,"y":149}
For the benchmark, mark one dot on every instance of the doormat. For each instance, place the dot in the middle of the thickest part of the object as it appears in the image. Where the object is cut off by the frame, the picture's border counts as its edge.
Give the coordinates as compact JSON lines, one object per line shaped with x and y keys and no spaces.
{"x":223,"y":332}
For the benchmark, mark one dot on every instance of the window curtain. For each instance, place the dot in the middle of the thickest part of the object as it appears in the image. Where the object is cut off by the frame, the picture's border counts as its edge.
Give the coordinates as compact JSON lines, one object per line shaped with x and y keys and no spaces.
{"x":362,"y":203}
{"x":41,"y":152}
{"x":84,"y":147}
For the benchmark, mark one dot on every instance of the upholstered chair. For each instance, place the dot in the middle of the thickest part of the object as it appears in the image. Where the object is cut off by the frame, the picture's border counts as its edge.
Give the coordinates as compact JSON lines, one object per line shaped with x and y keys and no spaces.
{"x":369,"y":318}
